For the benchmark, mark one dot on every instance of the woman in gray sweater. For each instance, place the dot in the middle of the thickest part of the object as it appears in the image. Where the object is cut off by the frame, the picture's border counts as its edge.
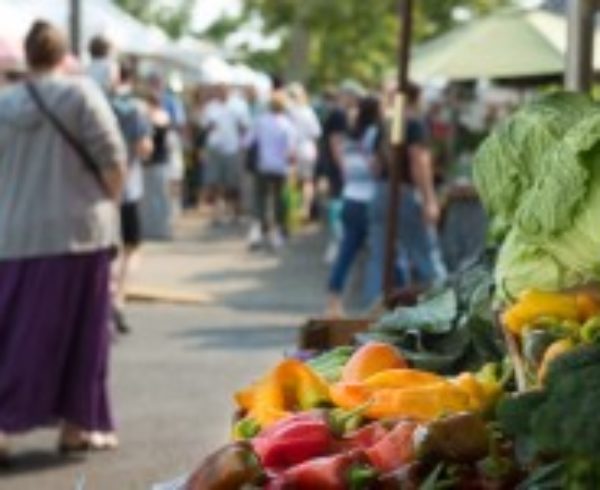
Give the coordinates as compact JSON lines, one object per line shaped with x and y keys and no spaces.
{"x":61,"y":171}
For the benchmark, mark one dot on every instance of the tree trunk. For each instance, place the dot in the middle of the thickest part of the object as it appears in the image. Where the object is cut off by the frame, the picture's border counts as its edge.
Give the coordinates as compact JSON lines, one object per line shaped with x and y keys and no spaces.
{"x":297,"y":70}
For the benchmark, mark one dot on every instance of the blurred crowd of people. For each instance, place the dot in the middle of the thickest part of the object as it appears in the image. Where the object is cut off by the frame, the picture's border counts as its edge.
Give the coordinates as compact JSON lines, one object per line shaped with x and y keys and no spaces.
{"x":287,"y":158}
{"x":91,"y":165}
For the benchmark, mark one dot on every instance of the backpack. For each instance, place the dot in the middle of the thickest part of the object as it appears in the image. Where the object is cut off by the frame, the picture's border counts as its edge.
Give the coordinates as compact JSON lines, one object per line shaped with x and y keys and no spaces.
{"x":128,"y":116}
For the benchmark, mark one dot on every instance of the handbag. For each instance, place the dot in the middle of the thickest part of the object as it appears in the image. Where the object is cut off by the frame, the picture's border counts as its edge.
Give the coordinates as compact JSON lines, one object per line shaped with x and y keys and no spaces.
{"x":85,"y":156}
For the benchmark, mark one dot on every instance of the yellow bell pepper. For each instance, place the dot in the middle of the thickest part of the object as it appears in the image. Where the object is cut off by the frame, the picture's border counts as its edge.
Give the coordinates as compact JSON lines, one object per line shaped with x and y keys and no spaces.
{"x":535,"y":304}
{"x":482,"y":394}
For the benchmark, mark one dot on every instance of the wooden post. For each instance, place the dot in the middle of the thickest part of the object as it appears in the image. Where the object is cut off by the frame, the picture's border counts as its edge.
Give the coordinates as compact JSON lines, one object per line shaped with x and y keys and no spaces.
{"x":398,"y":145}
{"x":75,"y":26}
{"x":580,"y":46}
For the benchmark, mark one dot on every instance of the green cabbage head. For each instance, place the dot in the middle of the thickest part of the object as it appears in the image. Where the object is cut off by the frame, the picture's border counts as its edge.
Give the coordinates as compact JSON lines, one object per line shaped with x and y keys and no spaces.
{"x":538,"y":175}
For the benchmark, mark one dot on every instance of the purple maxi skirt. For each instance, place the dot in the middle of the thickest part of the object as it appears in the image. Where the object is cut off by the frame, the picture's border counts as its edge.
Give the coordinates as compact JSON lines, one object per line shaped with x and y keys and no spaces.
{"x":54,"y":342}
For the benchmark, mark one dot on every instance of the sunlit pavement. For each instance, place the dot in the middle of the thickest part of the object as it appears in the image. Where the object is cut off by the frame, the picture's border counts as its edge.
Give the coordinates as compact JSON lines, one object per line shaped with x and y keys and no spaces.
{"x":173,"y":377}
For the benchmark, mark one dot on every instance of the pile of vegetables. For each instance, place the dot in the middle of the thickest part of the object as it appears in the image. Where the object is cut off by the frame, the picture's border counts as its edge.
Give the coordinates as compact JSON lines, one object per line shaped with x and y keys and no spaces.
{"x":377,"y":424}
{"x":426,"y":401}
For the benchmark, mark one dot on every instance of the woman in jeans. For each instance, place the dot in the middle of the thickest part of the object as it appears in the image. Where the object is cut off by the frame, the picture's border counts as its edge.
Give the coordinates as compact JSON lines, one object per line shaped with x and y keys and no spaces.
{"x":358,"y":150}
{"x":58,"y":227}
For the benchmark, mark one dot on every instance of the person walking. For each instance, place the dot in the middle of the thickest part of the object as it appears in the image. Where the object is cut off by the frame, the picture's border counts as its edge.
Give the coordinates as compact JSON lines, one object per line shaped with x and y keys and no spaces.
{"x":256,"y":107}
{"x":275,"y":138}
{"x":308,"y":130}
{"x":418,"y":254}
{"x":155,"y":208}
{"x":338,"y":120}
{"x":358,"y":150}
{"x":61,"y":172}
{"x":225,"y":128}
{"x":137,"y":131}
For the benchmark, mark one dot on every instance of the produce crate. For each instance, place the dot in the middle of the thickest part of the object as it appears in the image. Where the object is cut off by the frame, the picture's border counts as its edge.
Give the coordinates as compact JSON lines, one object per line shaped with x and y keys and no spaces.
{"x":326,"y":333}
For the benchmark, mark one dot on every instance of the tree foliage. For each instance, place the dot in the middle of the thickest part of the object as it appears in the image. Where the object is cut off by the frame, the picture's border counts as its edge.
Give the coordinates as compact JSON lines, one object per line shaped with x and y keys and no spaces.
{"x":174,"y":18}
{"x":349,"y":38}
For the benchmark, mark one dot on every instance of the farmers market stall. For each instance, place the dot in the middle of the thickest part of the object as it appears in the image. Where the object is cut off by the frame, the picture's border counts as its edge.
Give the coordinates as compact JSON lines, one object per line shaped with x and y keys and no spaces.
{"x":489,"y":381}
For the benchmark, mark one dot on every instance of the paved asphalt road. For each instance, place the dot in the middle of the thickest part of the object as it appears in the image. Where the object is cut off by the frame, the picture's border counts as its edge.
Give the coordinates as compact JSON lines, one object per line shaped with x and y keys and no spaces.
{"x":174,"y":376}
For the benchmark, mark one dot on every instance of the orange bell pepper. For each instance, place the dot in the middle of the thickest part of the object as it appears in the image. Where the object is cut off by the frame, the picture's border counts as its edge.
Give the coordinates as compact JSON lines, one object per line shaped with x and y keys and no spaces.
{"x":290,"y":387}
{"x":401,"y":378}
{"x":370,"y":359}
{"x":420,"y":403}
{"x":423,"y":402}
{"x":555,"y":350}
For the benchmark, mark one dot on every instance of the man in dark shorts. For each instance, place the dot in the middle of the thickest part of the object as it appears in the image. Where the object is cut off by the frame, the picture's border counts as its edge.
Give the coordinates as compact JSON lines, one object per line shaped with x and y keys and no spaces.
{"x":136,"y":129}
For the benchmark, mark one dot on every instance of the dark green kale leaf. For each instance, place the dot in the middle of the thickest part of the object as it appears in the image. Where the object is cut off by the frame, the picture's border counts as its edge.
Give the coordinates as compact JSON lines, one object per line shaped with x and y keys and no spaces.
{"x":452,"y":327}
{"x":562,"y":417}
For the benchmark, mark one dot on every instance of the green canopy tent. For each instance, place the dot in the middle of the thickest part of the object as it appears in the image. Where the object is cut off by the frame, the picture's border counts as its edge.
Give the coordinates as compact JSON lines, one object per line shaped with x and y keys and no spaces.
{"x":509,"y":44}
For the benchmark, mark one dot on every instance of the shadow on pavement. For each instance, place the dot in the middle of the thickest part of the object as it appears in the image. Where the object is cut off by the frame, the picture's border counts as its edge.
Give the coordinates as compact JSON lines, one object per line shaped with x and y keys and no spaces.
{"x":37,"y":461}
{"x":243,"y":338}
{"x":295,"y":283}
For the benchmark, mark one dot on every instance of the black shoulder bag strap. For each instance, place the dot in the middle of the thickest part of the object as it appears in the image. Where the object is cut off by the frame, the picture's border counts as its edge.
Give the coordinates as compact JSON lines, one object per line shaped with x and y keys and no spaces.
{"x":85,"y":156}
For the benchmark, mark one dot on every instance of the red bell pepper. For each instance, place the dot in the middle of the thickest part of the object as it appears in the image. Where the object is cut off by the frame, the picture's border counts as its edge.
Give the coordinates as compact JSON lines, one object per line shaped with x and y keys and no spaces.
{"x":395,"y":450}
{"x":293,"y":441}
{"x":365,"y":437}
{"x":325,"y":473}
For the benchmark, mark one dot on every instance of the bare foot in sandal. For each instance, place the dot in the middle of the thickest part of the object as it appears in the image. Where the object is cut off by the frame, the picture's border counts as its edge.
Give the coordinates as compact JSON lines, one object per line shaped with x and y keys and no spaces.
{"x":73,"y":439}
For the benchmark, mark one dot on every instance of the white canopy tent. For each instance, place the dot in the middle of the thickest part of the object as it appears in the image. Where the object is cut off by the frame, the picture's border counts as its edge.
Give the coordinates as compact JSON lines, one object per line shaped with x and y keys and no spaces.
{"x":193,"y":60}
{"x":187,"y":56}
{"x":215,"y":70}
{"x":98,"y":17}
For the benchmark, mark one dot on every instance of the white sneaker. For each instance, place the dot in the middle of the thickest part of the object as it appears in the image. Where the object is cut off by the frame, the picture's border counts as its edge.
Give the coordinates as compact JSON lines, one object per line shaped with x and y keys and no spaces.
{"x":276,"y":239}
{"x":255,"y":236}
{"x":331,"y":253}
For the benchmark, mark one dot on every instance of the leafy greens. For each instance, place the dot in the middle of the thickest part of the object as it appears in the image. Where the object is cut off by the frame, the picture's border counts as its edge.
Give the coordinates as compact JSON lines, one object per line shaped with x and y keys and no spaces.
{"x":560,"y":420}
{"x":538,"y":175}
{"x":452,"y":328}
